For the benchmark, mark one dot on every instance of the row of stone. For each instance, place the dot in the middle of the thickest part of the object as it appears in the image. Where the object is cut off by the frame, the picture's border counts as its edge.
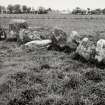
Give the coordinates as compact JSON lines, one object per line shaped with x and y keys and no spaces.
{"x":91,"y":51}
{"x":87,"y":49}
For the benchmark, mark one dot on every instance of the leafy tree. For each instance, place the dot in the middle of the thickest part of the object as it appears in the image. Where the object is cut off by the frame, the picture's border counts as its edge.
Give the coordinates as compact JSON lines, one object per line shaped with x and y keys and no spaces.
{"x":17,"y":8}
{"x":41,"y":10}
{"x":77,"y":10}
{"x":103,"y":11}
{"x":49,"y":9}
{"x":24,"y":9}
{"x":88,"y":10}
{"x":10,"y":8}
{"x":29,"y":10}
{"x":96,"y":11}
{"x":83,"y":12}
{"x":2,"y":9}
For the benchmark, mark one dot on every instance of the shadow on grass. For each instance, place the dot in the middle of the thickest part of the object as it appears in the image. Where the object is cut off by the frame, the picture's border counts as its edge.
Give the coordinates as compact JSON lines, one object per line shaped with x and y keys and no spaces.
{"x":11,"y":39}
{"x":91,"y":62}
{"x":65,"y":49}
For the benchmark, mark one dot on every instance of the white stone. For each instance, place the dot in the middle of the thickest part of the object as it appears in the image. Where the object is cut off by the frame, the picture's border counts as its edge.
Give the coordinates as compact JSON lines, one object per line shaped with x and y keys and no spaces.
{"x":100,"y":50}
{"x":39,"y":42}
{"x":86,"y":49}
{"x":36,"y":44}
{"x":74,"y":36}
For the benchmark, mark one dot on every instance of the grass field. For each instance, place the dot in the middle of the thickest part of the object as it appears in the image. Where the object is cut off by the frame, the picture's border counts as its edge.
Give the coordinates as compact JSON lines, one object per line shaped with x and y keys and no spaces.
{"x":86,"y":24}
{"x":44,"y":77}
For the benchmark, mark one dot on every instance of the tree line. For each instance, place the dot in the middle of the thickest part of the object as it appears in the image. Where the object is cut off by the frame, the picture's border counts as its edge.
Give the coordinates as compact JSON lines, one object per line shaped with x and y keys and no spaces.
{"x":79,"y":11}
{"x":18,"y":9}
{"x":21,"y":9}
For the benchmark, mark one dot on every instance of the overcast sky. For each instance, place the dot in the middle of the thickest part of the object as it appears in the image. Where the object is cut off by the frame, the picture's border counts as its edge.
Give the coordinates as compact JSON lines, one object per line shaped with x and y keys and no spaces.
{"x":58,"y":4}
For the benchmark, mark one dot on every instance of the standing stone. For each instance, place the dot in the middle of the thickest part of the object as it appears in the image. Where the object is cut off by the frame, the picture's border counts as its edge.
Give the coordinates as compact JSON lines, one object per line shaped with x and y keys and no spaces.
{"x":100,"y":50}
{"x":14,"y":27}
{"x":58,"y":37}
{"x":86,"y":49}
{"x":74,"y":37}
{"x":73,"y":40}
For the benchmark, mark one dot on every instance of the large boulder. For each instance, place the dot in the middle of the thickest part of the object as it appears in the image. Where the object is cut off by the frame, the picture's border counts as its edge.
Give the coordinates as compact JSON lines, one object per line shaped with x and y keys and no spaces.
{"x":100,"y":50}
{"x":17,"y":24}
{"x":74,"y":37}
{"x":36,"y":45}
{"x":73,"y":40}
{"x":86,"y":49}
{"x":14,"y":27}
{"x":27,"y":35}
{"x":57,"y":36}
{"x":3,"y":35}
